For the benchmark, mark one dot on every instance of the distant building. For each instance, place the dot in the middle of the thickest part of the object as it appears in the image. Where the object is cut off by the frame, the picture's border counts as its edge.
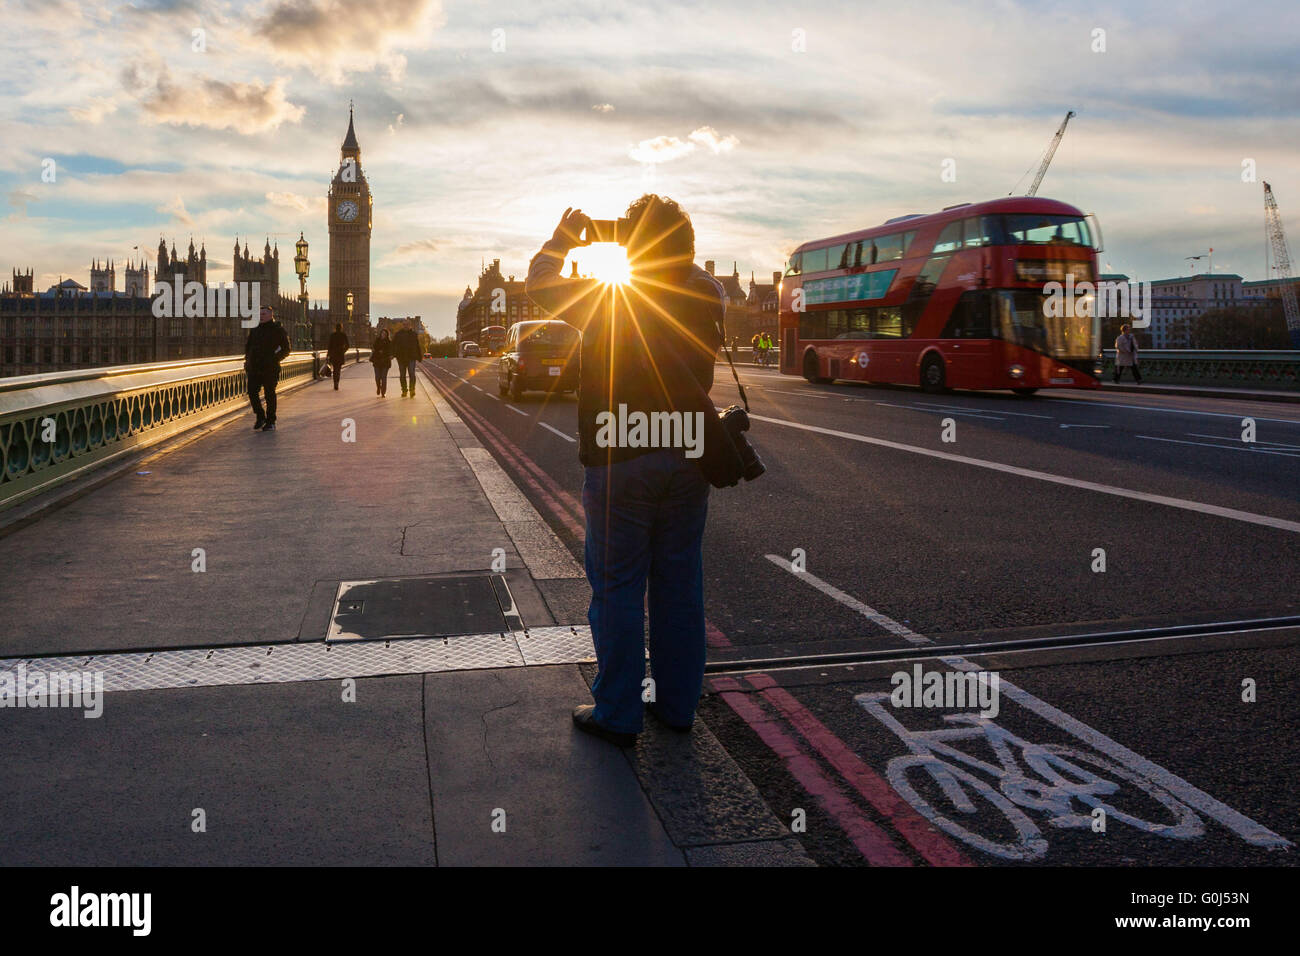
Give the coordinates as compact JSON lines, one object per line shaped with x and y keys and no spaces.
{"x":496,"y":300}
{"x":69,"y":326}
{"x":265,"y":271}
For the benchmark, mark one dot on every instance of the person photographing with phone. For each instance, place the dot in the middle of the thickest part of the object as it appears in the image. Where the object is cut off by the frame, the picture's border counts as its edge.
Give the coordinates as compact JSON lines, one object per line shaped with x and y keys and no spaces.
{"x":648,"y":347}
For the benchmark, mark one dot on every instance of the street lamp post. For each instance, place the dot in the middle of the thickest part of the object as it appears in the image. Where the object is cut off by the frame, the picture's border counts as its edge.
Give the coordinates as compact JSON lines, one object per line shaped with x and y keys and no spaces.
{"x":302,"y":266}
{"x":351,"y":331}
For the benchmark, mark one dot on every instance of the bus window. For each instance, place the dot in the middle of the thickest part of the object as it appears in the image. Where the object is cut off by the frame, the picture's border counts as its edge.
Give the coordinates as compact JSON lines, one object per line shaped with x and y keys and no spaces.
{"x":841,"y":257}
{"x":814,"y":260}
{"x":977,"y":232}
{"x":792,"y":267}
{"x":1062,"y":230}
{"x":890,"y":247}
{"x":950,"y":239}
{"x":971,"y":318}
{"x":907,"y":240}
{"x":812,"y":325}
{"x":887,"y":323}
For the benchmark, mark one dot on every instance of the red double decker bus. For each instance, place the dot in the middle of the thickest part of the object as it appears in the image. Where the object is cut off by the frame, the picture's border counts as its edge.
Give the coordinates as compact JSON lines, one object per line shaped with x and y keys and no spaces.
{"x":957,"y":299}
{"x":492,"y":339}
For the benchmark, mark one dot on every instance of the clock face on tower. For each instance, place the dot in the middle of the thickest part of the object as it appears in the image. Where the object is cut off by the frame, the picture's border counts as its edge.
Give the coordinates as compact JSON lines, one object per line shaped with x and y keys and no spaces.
{"x":346,"y":210}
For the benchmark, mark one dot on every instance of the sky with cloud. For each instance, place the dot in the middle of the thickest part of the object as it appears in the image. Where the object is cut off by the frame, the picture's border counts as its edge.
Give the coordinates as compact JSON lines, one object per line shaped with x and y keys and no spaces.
{"x":772,"y":123}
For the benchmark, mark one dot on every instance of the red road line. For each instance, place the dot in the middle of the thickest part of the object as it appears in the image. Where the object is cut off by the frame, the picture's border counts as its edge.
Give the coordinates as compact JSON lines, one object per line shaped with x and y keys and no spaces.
{"x":871,"y":841}
{"x":507,"y":450}
{"x":933,"y":846}
{"x":545,"y":485}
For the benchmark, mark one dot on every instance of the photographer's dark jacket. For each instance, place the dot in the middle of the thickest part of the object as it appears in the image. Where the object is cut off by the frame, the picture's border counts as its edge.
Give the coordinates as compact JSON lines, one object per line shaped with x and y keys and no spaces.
{"x":638,"y":343}
{"x":266,"y":347}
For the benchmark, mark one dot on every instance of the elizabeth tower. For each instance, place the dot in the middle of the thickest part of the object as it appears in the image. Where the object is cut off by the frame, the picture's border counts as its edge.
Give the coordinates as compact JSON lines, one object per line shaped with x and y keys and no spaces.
{"x":350,"y":211}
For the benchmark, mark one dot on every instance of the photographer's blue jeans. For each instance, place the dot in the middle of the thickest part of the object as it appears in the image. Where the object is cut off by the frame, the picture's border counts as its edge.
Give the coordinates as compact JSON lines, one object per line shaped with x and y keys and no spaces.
{"x":645,"y":524}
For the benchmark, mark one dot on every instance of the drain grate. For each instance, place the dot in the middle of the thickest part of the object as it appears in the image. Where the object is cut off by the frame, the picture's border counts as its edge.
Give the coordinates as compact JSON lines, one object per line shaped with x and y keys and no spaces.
{"x":435,"y":606}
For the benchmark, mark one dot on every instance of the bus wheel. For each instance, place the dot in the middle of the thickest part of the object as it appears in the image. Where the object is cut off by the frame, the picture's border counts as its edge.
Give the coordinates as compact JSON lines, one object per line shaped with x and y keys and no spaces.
{"x":1024,"y":392}
{"x":810,"y":370}
{"x":932,"y":374}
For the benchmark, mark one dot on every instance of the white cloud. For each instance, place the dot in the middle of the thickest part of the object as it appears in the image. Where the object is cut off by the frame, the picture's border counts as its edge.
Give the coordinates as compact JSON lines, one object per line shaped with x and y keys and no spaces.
{"x":604,"y":107}
{"x":661,"y":149}
{"x":710,"y":137}
{"x":333,"y":38}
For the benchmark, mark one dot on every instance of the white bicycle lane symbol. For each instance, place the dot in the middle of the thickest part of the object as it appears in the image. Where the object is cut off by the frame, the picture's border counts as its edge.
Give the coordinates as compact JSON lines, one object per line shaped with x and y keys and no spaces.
{"x":1055,"y":781}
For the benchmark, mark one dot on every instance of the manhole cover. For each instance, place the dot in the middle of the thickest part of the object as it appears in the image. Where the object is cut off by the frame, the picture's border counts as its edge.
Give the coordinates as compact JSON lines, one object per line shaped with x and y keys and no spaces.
{"x":422,"y":607}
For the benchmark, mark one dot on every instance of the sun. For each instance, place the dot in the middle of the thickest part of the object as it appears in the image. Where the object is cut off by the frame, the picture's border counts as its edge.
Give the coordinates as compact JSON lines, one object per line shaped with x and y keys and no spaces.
{"x":604,"y":261}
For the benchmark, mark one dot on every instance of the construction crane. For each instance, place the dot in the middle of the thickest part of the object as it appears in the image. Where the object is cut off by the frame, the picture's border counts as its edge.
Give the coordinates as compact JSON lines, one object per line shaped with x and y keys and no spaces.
{"x":1047,"y":158}
{"x":1282,"y":264}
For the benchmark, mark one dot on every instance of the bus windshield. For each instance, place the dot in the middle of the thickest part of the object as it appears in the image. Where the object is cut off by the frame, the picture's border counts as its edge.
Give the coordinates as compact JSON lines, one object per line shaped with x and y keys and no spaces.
{"x":1018,"y":317}
{"x":1036,"y":229}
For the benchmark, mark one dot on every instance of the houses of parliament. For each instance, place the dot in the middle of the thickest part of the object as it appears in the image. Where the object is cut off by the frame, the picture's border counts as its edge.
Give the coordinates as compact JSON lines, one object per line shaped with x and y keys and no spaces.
{"x":72,"y":326}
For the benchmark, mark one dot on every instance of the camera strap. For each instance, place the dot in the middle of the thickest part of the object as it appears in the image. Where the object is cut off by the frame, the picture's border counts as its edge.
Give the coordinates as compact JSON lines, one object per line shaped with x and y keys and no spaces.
{"x":722,"y":333}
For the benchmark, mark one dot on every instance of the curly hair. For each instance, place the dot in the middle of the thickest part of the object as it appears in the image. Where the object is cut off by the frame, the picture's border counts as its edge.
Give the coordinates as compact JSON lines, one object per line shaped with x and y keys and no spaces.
{"x":662,"y":234}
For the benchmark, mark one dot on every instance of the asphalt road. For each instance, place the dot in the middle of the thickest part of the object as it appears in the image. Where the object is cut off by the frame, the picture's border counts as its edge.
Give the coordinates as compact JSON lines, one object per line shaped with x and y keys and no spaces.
{"x":912,"y":541}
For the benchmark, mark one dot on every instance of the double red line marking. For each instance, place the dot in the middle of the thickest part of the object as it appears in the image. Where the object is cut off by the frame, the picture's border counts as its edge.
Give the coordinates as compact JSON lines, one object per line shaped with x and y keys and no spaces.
{"x":781,"y":732}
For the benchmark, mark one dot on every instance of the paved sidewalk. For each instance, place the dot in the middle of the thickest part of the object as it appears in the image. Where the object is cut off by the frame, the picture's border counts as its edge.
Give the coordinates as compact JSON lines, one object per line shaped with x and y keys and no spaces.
{"x":449,"y":767}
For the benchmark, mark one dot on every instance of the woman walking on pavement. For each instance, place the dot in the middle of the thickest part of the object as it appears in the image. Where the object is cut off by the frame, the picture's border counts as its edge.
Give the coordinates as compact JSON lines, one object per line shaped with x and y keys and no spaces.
{"x":381,"y":357}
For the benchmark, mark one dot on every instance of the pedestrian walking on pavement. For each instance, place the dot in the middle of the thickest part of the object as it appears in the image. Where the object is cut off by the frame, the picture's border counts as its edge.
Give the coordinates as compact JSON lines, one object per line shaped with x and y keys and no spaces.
{"x":264,"y":349}
{"x":381,"y":357}
{"x":1126,"y":354}
{"x":406,"y":352}
{"x":645,"y":507}
{"x":337,"y":349}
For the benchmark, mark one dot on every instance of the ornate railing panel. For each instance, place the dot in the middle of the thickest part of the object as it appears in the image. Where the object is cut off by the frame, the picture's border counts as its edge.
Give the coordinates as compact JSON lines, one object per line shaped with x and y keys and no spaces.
{"x":57,"y":426}
{"x":1269,"y":370}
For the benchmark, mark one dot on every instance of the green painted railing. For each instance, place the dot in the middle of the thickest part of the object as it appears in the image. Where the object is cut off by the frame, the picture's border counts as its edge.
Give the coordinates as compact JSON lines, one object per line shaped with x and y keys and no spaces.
{"x":1245,"y":368}
{"x":59,"y":426}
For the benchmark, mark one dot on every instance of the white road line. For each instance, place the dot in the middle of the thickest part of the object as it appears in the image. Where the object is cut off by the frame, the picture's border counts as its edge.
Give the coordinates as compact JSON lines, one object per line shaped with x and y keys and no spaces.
{"x":991,"y":411}
{"x":1281,"y":524}
{"x":1276,"y":444}
{"x":1205,"y":444}
{"x":517,"y":411}
{"x":549,"y":428}
{"x":475,"y":387}
{"x":1084,"y":426}
{"x":937,"y":411}
{"x":870,"y":613}
{"x":1246,"y":828}
{"x":494,"y":398}
{"x":1170,"y":411}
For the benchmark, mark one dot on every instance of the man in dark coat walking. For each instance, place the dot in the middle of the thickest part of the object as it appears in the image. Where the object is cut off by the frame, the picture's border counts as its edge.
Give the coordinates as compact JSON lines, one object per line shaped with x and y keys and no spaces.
{"x":265,"y":349}
{"x":406,"y":352}
{"x":338,"y":352}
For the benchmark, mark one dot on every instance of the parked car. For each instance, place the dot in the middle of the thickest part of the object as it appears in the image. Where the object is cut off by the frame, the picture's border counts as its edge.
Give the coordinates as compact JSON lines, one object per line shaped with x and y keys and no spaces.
{"x":468,"y":349}
{"x":539,"y":356}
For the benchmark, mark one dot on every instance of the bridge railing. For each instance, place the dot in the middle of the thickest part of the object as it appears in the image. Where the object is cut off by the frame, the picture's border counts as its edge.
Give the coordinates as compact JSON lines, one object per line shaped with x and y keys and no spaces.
{"x":1244,"y":368}
{"x":60,"y":425}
